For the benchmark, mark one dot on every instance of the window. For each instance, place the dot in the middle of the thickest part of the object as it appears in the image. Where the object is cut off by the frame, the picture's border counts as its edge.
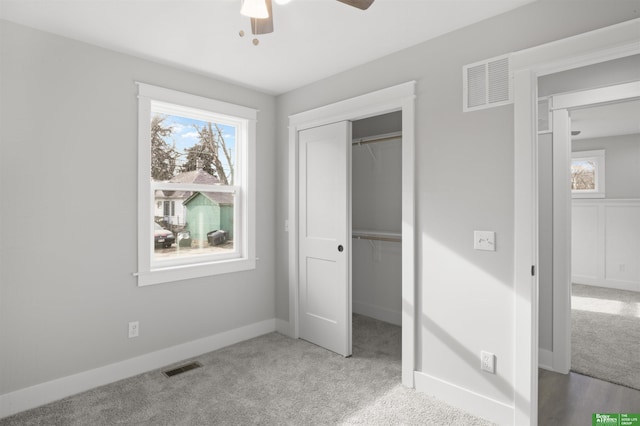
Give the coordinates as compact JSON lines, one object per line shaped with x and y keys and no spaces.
{"x":587,"y":174}
{"x":195,"y":186}
{"x":169,"y":209}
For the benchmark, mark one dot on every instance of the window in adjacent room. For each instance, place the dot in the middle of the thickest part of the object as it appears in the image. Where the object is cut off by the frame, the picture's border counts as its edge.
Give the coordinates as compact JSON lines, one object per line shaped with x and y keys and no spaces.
{"x":587,"y":174}
{"x":196,"y":186}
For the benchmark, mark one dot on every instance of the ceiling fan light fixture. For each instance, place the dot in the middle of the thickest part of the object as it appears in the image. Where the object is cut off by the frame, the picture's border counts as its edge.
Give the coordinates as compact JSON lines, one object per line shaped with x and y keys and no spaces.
{"x":254,"y":9}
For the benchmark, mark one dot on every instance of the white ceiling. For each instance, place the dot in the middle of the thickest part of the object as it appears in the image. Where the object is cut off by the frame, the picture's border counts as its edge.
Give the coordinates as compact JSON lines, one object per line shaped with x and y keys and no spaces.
{"x":622,"y":118}
{"x":313,"y":39}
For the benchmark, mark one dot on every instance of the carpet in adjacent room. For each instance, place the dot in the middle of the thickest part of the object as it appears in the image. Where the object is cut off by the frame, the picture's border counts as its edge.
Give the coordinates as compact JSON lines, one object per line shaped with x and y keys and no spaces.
{"x":605,"y":334}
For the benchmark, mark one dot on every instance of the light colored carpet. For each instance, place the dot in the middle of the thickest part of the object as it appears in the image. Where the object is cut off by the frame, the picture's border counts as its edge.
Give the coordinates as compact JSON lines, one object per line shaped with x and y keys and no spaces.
{"x":605,"y":335}
{"x":269,"y":380}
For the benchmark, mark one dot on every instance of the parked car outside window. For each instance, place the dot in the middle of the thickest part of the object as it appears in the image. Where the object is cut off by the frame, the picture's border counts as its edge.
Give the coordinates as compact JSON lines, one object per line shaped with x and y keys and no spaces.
{"x":162,"y":237}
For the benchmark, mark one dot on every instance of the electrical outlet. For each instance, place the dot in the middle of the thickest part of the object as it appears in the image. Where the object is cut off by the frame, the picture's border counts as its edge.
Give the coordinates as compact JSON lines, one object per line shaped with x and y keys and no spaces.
{"x":488,"y":362}
{"x":134,"y":329}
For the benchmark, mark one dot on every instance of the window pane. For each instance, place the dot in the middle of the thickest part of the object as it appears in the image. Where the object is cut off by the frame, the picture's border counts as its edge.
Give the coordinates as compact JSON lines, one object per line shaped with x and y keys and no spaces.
{"x":202,"y":223}
{"x":189,"y":150}
{"x":583,"y":175}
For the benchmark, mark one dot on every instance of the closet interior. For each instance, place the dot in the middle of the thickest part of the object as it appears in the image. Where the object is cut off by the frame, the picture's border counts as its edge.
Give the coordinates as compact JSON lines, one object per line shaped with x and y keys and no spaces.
{"x":376,"y":207}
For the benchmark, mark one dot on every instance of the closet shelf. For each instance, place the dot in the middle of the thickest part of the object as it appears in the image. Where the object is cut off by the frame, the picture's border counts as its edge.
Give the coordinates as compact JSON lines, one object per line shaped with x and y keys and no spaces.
{"x":366,"y":234}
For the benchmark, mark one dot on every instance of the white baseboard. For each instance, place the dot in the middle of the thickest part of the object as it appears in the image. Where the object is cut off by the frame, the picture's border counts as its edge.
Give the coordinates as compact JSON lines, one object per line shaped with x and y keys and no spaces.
{"x":465,"y":399}
{"x":615,"y":284}
{"x":44,"y":393}
{"x":377,"y":312}
{"x":545,"y":359}
{"x":283,"y":327}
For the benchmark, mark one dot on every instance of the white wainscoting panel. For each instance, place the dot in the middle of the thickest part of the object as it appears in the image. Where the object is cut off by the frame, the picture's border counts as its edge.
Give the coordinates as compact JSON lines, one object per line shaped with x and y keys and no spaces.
{"x":605,"y":243}
{"x":586,"y":241}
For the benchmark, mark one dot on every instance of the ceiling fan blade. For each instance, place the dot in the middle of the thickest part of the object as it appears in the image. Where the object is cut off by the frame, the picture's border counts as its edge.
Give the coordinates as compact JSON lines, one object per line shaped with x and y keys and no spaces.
{"x":263,"y":26}
{"x":360,"y":4}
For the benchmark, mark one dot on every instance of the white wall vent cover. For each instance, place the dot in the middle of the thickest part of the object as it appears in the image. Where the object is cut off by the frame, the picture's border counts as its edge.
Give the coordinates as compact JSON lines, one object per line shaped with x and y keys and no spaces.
{"x":487,"y":83}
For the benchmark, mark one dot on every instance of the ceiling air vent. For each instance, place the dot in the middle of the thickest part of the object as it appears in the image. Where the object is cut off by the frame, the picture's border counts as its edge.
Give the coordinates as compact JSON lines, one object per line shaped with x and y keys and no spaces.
{"x":487,"y":84}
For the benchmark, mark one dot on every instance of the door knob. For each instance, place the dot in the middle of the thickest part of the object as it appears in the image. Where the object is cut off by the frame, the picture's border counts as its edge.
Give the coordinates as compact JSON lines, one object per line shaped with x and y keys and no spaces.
{"x":340,"y":248}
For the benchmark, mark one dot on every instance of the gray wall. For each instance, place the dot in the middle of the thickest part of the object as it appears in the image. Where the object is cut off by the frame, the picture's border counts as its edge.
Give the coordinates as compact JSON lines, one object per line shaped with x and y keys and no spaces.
{"x":464,"y":183}
{"x":69,"y":214}
{"x":380,"y":124}
{"x":622,"y":163}
{"x":377,"y":184}
{"x":603,"y":74}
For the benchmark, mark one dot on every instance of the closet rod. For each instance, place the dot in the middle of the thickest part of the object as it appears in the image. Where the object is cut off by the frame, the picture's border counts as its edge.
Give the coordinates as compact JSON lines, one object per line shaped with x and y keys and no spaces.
{"x":366,"y":141}
{"x":376,"y":238}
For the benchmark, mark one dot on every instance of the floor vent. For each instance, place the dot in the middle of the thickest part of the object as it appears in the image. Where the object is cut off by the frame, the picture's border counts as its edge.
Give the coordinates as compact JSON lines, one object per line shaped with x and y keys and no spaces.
{"x":182,"y":369}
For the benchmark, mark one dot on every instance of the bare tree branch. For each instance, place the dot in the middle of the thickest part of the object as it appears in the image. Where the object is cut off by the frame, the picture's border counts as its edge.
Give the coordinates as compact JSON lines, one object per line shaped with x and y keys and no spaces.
{"x":226,"y":153}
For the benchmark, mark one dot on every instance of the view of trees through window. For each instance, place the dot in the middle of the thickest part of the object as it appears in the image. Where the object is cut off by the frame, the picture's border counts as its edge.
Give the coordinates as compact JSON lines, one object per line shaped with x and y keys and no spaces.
{"x":180,"y":144}
{"x":190,"y":151}
{"x":583,"y":175}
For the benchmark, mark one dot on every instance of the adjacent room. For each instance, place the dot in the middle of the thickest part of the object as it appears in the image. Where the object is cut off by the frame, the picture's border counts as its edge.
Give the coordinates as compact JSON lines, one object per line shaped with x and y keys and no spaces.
{"x":318,"y":211}
{"x":589,"y":322}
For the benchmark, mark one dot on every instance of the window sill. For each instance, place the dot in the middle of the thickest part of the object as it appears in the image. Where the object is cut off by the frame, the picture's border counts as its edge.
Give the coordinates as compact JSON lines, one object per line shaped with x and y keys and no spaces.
{"x":186,"y":272}
{"x":587,"y":195}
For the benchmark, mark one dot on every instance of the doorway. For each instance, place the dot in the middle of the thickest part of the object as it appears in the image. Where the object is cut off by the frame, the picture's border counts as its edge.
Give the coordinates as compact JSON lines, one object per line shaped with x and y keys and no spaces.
{"x":556,"y":202}
{"x":602,"y":316}
{"x":376,"y":211}
{"x":593,"y":225}
{"x":396,"y":98}
{"x":594,"y":47}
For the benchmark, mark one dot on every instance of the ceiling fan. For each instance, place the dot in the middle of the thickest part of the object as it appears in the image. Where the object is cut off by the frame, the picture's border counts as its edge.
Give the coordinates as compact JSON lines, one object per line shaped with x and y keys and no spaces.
{"x":262,"y":17}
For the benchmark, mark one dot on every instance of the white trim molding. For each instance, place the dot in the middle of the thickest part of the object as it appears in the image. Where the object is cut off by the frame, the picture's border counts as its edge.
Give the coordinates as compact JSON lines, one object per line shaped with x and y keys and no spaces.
{"x":465,"y":399}
{"x":282,"y":327}
{"x":396,"y":98}
{"x":151,"y":271}
{"x":44,"y":393}
{"x":598,"y":96}
{"x":545,"y":358}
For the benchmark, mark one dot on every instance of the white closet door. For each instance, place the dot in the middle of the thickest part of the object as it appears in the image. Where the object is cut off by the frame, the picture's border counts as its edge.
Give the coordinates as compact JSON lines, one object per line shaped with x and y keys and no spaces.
{"x":324,"y":237}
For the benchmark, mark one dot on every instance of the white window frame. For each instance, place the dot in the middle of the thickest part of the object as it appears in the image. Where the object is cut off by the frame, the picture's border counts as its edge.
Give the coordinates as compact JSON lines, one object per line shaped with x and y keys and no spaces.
{"x":598,"y":158}
{"x":243,"y":258}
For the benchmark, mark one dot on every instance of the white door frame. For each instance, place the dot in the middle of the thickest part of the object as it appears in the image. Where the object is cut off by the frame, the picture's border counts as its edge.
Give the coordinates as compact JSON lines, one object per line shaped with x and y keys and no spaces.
{"x":561,"y":225}
{"x":562,"y":105}
{"x":601,"y":45}
{"x":396,"y":98}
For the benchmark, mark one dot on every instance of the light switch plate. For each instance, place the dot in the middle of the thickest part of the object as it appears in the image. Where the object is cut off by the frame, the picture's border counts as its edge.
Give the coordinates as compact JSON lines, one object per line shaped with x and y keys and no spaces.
{"x":484,"y":240}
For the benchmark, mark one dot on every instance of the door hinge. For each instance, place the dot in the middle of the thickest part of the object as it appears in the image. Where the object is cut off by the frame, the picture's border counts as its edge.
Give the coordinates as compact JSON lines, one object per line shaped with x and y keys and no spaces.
{"x":533,"y":270}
